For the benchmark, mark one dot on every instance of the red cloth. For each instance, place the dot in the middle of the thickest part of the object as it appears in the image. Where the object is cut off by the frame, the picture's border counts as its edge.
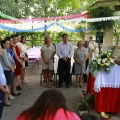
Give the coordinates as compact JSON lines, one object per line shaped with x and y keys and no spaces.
{"x":18,"y":70}
{"x":108,"y":100}
{"x":60,"y":115}
{"x":90,"y":84}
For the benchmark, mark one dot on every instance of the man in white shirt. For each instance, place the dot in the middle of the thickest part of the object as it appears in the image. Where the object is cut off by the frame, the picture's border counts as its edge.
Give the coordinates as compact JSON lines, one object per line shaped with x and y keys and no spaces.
{"x":64,"y":52}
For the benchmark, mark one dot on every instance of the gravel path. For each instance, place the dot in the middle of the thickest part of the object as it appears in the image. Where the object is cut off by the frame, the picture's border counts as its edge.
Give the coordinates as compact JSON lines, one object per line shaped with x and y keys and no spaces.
{"x":31,"y":91}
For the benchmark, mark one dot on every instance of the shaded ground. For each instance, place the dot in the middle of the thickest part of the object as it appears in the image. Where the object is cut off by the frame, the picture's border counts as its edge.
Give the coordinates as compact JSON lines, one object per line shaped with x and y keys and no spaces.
{"x":31,"y":91}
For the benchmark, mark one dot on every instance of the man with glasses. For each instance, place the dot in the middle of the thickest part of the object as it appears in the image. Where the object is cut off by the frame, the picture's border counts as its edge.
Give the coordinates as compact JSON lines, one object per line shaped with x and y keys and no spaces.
{"x":64,"y":52}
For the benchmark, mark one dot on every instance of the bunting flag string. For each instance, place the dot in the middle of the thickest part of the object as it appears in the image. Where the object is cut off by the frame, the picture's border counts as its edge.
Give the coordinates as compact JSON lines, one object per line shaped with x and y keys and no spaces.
{"x":47,"y":27}
{"x":101,"y":19}
{"x":7,"y":16}
{"x":91,"y":19}
{"x":77,"y":30}
{"x":45,"y":19}
{"x":29,"y":30}
{"x":73,"y":18}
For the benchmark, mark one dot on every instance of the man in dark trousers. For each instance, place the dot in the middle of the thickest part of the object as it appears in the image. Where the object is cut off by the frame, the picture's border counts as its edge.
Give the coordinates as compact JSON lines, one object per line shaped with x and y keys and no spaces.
{"x":64,"y":52}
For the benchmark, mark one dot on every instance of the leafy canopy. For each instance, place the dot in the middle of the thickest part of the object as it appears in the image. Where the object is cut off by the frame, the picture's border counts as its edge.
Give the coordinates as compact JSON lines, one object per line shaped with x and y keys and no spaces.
{"x":43,"y":8}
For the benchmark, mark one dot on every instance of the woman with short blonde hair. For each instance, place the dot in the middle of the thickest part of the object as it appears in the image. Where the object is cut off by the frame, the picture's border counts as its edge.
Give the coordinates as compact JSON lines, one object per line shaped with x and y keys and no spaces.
{"x":47,"y":54}
{"x":80,"y":58}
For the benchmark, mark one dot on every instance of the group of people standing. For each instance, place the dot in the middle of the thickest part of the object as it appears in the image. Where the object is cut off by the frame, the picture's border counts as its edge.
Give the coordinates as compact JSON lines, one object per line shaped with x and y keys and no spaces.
{"x":64,"y":50}
{"x":13,"y":60}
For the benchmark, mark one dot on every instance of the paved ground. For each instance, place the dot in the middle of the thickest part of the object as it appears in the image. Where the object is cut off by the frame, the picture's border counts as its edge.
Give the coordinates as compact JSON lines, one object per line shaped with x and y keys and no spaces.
{"x":31,"y":91}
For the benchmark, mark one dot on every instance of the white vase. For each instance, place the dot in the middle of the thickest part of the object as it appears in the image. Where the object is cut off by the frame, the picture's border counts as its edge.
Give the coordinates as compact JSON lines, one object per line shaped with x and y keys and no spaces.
{"x":82,"y":112}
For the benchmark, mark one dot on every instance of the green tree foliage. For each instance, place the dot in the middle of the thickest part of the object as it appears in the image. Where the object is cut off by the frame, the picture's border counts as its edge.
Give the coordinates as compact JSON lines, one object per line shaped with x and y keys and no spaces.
{"x":43,"y":8}
{"x":9,"y":7}
{"x":38,"y":37}
{"x":99,"y":12}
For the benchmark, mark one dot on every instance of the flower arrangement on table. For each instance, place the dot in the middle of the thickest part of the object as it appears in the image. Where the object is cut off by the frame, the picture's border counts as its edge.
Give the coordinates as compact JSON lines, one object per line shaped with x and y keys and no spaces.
{"x":102,"y":63}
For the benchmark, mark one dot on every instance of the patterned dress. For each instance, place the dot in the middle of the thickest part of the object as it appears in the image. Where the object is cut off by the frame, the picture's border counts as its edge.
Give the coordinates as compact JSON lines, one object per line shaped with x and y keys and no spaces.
{"x":80,"y":54}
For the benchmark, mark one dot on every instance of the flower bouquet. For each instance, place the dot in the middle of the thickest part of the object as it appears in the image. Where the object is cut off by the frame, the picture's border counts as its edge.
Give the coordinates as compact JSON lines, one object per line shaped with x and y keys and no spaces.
{"x":102,"y":63}
{"x":90,"y":100}
{"x":82,"y":107}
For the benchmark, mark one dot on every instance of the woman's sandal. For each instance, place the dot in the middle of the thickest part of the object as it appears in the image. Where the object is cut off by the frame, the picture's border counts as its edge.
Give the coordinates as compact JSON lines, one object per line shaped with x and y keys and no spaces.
{"x":80,"y":85}
{"x":105,"y":116}
{"x":76,"y":85}
{"x":7,"y":104}
{"x":45,"y":85}
{"x":48,"y":86}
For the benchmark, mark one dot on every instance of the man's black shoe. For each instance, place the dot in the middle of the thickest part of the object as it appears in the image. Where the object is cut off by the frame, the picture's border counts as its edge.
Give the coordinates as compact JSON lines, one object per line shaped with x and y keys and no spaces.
{"x":59,"y":86}
{"x":83,"y":91}
{"x":67,"y":86}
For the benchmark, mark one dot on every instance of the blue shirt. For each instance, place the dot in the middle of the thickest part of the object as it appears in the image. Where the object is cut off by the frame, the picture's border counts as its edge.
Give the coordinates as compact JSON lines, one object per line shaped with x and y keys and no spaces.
{"x":11,"y":52}
{"x":2,"y":76}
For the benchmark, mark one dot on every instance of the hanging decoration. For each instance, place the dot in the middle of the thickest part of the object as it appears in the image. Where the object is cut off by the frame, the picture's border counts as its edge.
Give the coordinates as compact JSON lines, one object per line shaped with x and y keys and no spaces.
{"x":7,"y":16}
{"x":103,"y":19}
{"x":47,"y":27}
{"x":45,"y":19}
{"x":67,"y":19}
{"x":77,"y":30}
{"x":92,"y":19}
{"x":29,"y":30}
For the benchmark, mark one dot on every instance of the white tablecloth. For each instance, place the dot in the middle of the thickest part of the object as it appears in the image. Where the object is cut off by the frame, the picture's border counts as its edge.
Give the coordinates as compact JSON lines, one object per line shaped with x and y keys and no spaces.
{"x":111,"y":80}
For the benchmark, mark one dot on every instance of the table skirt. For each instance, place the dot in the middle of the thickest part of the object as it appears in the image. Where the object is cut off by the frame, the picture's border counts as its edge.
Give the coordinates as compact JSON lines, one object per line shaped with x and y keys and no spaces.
{"x":90,"y":84}
{"x":107,"y":100}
